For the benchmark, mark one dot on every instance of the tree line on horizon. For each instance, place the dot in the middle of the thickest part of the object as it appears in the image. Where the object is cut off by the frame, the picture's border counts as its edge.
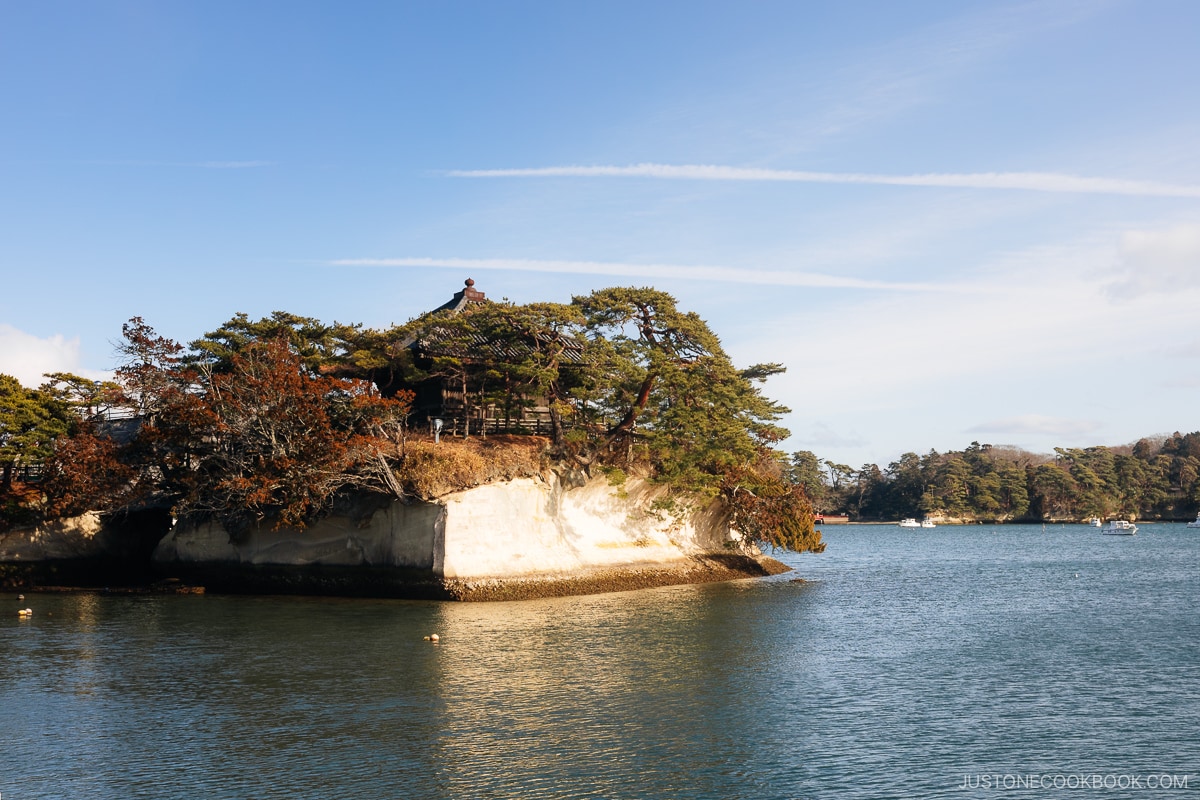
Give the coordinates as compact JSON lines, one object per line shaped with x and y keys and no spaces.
{"x":272,"y":420}
{"x":1154,"y":478}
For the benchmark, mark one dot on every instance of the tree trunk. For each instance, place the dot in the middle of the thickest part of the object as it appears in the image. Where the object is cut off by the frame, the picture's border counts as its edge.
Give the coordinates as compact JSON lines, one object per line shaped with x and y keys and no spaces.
{"x":466,"y":409}
{"x":626,"y":423}
{"x":556,"y":428}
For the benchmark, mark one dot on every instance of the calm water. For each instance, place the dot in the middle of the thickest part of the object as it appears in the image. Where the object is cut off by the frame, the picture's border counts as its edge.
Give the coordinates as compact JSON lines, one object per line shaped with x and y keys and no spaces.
{"x":909,"y":664}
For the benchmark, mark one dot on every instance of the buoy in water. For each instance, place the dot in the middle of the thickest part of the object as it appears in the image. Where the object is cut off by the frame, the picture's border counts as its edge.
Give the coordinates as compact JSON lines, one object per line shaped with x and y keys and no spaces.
{"x":433,"y":637}
{"x":25,"y":612}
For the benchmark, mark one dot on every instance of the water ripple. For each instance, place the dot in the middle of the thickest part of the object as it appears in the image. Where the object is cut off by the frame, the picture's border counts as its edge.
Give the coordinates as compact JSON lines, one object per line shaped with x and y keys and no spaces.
{"x":906,"y":663}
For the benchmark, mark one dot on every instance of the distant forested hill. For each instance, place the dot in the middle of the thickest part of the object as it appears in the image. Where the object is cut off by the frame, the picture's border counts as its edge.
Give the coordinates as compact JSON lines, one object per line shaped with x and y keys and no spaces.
{"x":1156,"y":478}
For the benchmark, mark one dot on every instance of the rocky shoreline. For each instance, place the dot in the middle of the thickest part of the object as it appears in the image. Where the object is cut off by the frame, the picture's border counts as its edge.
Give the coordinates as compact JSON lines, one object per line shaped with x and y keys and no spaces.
{"x":401,"y":584}
{"x":701,"y":569}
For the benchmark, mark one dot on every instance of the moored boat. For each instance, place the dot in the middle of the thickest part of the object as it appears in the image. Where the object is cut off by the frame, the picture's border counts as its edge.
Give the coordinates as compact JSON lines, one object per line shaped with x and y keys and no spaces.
{"x":928,"y":523}
{"x":1119,"y":527}
{"x":1195,"y":523}
{"x":908,"y":522}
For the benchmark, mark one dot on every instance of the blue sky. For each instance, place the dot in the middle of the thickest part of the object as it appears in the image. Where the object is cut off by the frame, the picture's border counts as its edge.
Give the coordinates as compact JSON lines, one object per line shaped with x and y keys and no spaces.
{"x":952,"y":221}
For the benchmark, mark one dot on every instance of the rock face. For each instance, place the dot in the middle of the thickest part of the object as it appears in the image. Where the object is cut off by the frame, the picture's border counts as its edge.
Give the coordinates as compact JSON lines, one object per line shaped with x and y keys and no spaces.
{"x":390,"y":535}
{"x":88,"y":550}
{"x":526,"y":537}
{"x":68,"y":538}
{"x":529,"y":527}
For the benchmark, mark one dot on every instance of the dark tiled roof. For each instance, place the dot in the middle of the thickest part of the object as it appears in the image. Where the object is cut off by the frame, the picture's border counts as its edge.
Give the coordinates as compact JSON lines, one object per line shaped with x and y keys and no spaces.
{"x":432,"y":340}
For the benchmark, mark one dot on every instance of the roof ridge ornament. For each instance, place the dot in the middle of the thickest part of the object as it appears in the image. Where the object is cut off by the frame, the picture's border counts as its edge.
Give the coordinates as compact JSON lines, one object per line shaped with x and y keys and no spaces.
{"x":461,"y":299}
{"x":470,"y":293}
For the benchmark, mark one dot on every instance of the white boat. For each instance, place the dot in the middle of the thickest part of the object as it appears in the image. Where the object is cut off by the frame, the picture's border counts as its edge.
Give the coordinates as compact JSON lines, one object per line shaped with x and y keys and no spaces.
{"x":928,"y":523}
{"x":909,"y":523}
{"x":1095,"y":522}
{"x":1195,"y":523}
{"x":1119,"y":527}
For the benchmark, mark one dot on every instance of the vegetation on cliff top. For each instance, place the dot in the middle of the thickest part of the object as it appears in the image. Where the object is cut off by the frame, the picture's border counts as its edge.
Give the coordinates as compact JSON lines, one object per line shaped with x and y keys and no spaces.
{"x":270,"y":419}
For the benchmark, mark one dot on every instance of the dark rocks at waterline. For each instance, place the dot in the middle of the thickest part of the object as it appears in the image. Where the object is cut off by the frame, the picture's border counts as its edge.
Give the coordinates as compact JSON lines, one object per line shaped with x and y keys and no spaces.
{"x":398,"y":582}
{"x":385,"y":582}
{"x":702,"y":569}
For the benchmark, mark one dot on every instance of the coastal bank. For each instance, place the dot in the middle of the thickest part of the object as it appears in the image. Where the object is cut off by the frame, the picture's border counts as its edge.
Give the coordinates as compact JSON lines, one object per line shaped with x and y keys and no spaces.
{"x":553,"y":534}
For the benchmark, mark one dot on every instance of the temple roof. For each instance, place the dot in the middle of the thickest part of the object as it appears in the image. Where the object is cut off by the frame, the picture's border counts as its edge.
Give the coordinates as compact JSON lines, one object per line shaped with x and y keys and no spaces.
{"x":431,"y":340}
{"x":467,"y":295}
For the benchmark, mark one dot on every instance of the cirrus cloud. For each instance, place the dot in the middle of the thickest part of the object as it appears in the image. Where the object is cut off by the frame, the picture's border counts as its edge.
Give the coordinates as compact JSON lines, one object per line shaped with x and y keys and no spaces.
{"x":1028,"y":181}
{"x":688,"y":272}
{"x":1038,"y":424}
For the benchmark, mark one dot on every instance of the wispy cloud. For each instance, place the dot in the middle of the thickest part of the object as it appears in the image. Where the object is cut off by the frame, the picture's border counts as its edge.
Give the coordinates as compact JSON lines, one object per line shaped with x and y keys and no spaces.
{"x":782,"y":107}
{"x":1038,"y":424}
{"x":693,"y":272}
{"x":1186,"y":350}
{"x":1185,"y":382}
{"x":1027,"y":181}
{"x":1158,"y":261}
{"x":1051,"y":322}
{"x":821,"y":435}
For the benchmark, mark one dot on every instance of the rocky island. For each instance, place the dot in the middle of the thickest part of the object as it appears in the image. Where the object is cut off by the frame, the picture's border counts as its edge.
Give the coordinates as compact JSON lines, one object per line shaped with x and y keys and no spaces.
{"x":481,"y":451}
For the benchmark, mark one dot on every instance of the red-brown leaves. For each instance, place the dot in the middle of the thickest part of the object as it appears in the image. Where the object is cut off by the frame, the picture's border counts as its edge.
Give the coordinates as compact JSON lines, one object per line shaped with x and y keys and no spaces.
{"x":85,"y":473}
{"x":283,"y":442}
{"x":263,"y":440}
{"x":771,"y":511}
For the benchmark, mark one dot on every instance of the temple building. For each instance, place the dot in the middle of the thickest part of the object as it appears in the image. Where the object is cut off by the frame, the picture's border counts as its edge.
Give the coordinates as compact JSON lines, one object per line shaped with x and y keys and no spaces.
{"x":467,"y":386}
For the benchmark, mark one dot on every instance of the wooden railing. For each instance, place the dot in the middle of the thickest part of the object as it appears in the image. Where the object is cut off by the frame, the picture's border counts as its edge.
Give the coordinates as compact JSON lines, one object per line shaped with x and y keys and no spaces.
{"x":460,"y":424}
{"x":33,"y":472}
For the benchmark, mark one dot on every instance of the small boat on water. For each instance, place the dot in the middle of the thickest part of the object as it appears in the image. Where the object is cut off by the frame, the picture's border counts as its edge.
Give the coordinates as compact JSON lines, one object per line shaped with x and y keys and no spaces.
{"x":1094,"y":522}
{"x":928,"y":523}
{"x":1119,"y":527}
{"x":908,"y":522}
{"x":1195,"y":523}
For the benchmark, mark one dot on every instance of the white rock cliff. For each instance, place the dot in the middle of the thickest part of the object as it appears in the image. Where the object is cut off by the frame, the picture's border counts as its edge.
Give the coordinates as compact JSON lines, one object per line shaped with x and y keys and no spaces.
{"x":518,"y":529}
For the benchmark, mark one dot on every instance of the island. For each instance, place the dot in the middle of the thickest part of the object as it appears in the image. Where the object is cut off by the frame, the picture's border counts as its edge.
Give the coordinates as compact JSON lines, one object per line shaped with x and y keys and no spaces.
{"x":482,"y":450}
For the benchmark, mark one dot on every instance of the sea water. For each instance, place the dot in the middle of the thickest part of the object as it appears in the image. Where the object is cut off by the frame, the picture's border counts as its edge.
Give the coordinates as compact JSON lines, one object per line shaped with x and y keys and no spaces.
{"x":980,"y":661}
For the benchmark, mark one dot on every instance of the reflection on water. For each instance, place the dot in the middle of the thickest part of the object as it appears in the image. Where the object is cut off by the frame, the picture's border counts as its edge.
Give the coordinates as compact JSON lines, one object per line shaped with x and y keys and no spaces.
{"x":908,"y":661}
